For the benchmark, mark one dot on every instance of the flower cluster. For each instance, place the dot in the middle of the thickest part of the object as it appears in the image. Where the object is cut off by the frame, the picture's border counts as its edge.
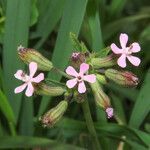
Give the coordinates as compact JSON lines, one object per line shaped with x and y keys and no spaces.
{"x":87,"y":72}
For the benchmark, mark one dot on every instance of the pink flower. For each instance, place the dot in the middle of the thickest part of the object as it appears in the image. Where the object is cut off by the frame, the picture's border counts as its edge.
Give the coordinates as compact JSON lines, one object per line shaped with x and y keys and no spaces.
{"x":28,"y":79}
{"x":80,"y":77}
{"x":110,"y":112}
{"x":126,"y":52}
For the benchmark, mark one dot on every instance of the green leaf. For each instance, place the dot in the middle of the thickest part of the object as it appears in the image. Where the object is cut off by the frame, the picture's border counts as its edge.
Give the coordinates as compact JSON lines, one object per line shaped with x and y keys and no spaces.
{"x":33,"y":142}
{"x":145,"y":33}
{"x":119,"y":109}
{"x":142,"y":104}
{"x":143,"y":136}
{"x":116,"y":7}
{"x":26,"y":126}
{"x":131,"y":94}
{"x":34,"y":13}
{"x":16,"y":33}
{"x":118,"y":24}
{"x":94,"y":24}
{"x":1,"y":78}
{"x":71,"y":22}
{"x":6,"y":108}
{"x":48,"y":18}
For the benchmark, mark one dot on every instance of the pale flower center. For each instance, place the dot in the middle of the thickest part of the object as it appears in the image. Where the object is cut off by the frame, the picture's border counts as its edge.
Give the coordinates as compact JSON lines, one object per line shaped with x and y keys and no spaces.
{"x":25,"y":78}
{"x":127,"y":51}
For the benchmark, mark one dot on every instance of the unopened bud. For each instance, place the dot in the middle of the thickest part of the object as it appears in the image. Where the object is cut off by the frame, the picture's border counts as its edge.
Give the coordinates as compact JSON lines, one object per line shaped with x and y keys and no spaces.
{"x":103,"y":62}
{"x":110,"y":112}
{"x":54,"y":115}
{"x":30,"y":55}
{"x":123,"y":78}
{"x":44,"y":89}
{"x":101,"y":78}
{"x":101,"y":98}
{"x":77,"y":58}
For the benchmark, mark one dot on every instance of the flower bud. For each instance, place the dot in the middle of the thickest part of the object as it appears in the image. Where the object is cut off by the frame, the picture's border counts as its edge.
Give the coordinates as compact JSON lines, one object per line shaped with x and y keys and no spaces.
{"x":103,"y":62}
{"x":30,"y":55}
{"x":110,"y":112}
{"x":123,"y":78}
{"x":101,"y":98}
{"x":77,"y":59}
{"x":44,"y":89}
{"x":54,"y":114}
{"x":101,"y":78}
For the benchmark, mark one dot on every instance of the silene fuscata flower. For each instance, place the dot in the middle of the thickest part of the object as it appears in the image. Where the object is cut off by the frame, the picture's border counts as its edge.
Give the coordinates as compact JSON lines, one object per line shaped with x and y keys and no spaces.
{"x":80,"y":77}
{"x":126,"y":52}
{"x":28,"y":79}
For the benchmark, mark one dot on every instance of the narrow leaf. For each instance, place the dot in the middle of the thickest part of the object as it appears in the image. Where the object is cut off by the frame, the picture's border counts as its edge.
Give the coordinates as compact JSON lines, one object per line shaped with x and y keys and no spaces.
{"x":32,"y":142}
{"x":6,"y":108}
{"x":142,"y":104}
{"x":16,"y":33}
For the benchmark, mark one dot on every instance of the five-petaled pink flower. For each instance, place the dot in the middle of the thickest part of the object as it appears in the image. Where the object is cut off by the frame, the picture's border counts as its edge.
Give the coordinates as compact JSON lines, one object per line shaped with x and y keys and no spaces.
{"x":28,"y":79}
{"x":80,"y":77}
{"x":126,"y":52}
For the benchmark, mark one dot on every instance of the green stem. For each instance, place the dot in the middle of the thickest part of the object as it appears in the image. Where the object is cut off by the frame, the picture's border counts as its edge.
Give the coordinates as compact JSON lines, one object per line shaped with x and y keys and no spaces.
{"x":61,"y":72}
{"x":90,"y":125}
{"x":12,"y":129}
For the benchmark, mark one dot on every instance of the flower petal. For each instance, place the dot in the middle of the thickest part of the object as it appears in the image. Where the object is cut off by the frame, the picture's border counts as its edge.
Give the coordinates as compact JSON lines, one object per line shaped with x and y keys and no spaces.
{"x":18,"y":74}
{"x":110,"y":112}
{"x":81,"y":87}
{"x":32,"y":68}
{"x":135,"y":47}
{"x":71,"y":71}
{"x":123,"y":40}
{"x":90,"y":78}
{"x":38,"y":78}
{"x":30,"y":90}
{"x":134,"y":60}
{"x":71,"y":83}
{"x":20,"y":88}
{"x":84,"y":68}
{"x":115,"y":49}
{"x":122,"y":61}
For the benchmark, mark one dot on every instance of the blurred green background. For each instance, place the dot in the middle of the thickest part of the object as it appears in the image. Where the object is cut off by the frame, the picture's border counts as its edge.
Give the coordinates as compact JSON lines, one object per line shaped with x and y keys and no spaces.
{"x":45,"y":25}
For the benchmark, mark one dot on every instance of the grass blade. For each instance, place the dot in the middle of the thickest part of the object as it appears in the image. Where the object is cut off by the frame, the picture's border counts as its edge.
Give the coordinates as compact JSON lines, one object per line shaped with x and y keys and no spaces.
{"x":16,"y":33}
{"x":118,"y":24}
{"x":116,"y":7}
{"x":142,"y":104}
{"x":26,"y":126}
{"x":31,"y":142}
{"x":94,"y":24}
{"x":48,"y":19}
{"x":6,"y":108}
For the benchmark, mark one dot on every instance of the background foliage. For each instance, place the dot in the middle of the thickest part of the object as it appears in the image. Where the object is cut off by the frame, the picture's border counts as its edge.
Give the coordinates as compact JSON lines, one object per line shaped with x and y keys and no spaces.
{"x":45,"y":26}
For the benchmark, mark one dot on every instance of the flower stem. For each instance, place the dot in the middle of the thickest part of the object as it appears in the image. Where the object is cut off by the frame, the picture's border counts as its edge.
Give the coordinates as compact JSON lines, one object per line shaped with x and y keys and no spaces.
{"x":90,"y":125}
